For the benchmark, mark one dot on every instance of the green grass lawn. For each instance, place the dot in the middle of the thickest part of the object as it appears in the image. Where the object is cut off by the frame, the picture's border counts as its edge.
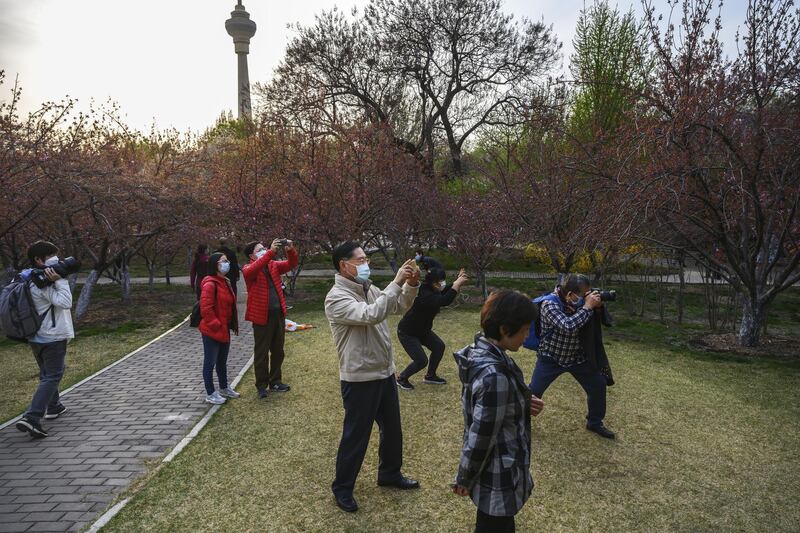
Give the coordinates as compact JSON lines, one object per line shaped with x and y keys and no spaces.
{"x":705,"y":443}
{"x":110,"y":331}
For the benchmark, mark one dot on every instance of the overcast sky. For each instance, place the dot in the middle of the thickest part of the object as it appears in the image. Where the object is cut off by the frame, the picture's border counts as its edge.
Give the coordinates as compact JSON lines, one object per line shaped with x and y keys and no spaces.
{"x":170,"y":62}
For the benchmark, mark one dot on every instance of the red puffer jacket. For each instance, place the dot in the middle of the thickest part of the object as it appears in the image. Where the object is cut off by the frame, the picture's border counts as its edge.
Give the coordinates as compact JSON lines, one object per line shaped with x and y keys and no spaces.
{"x":218,"y":309}
{"x":257,"y":288}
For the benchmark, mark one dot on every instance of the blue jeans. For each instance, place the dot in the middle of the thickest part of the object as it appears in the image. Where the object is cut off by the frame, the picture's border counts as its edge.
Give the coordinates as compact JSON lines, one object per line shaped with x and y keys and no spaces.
{"x":592,"y":381}
{"x":50,"y":358}
{"x":216,"y":355}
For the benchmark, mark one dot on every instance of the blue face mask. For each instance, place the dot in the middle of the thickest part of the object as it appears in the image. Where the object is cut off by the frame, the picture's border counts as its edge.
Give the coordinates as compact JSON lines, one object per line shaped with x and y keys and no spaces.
{"x":224,"y":267}
{"x":260,"y":253}
{"x":362,"y":272}
{"x":418,"y":257}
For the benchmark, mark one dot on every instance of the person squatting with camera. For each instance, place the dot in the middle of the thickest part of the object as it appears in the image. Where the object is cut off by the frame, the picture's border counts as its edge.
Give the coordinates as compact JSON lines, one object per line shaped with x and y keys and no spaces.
{"x":562,"y":316}
{"x":415,"y":330}
{"x":52,"y":298}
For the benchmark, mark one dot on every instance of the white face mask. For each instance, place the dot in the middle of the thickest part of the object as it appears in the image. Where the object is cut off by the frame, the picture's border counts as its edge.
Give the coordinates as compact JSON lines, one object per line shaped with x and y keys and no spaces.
{"x":52,"y":261}
{"x":442,"y":285}
{"x":260,"y":253}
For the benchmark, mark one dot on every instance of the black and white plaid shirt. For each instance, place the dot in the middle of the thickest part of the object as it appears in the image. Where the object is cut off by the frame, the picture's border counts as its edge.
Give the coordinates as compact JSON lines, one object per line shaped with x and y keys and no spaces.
{"x":496,"y":453}
{"x":559,"y":339}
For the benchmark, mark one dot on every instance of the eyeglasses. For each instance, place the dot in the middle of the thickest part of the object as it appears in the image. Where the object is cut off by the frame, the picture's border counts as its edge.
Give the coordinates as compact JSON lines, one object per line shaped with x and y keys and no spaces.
{"x":360,"y":261}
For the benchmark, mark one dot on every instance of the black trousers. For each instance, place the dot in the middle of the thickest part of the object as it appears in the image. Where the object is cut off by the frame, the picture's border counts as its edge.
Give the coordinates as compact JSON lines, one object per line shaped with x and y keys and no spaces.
{"x":268,"y":353}
{"x":413,"y":346}
{"x":485,"y":523}
{"x":365,"y":403}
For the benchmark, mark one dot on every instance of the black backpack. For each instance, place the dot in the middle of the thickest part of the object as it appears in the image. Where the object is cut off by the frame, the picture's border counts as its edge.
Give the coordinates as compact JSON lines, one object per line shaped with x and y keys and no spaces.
{"x":18,"y":317}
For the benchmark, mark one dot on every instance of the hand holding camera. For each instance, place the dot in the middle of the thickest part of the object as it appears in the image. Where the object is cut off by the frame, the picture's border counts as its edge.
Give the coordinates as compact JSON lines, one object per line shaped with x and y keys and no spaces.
{"x":461,"y":279}
{"x":592,"y":301}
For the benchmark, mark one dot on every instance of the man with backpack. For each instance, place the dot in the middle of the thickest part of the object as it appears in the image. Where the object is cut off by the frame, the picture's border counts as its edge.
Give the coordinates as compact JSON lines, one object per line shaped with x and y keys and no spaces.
{"x":555,"y":334}
{"x":49,"y":344}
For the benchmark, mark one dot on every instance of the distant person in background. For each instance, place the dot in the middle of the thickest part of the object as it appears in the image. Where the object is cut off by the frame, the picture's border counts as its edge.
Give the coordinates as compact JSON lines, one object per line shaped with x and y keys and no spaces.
{"x":426,"y":263}
{"x":233,"y":274}
{"x":199,"y":268}
{"x":219,"y":318}
{"x":416,"y":327}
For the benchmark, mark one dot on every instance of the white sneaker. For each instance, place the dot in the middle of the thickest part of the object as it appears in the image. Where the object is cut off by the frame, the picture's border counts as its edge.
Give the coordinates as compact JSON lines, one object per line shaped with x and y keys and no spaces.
{"x":229,"y":393}
{"x":215,"y":398}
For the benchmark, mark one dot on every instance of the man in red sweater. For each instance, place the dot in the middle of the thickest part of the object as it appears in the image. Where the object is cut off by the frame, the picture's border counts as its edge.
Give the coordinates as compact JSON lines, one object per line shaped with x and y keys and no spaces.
{"x":266,"y":309}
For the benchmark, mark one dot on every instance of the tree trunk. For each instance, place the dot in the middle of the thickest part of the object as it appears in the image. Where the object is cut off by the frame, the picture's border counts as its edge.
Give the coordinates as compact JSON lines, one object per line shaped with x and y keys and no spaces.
{"x":753,"y":315}
{"x":151,"y":269}
{"x":73,"y":280}
{"x":166,"y":274}
{"x":681,"y":287}
{"x":126,"y":283}
{"x":86,"y":294}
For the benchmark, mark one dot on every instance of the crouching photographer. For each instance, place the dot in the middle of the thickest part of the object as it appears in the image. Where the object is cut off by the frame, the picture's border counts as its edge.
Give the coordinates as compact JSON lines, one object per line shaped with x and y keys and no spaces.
{"x":52,"y":299}
{"x":561,"y":340}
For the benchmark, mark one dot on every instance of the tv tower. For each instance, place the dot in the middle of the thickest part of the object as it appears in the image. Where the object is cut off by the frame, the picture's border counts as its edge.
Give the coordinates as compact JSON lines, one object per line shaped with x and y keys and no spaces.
{"x":242,"y":29}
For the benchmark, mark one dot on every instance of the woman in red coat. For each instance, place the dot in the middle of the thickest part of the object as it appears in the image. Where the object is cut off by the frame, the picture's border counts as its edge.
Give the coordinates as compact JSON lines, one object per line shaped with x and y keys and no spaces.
{"x":218,"y":318}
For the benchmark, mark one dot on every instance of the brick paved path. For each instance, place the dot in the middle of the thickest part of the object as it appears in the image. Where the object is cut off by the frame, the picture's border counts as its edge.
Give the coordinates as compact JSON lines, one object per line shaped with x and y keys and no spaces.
{"x":135,"y":411}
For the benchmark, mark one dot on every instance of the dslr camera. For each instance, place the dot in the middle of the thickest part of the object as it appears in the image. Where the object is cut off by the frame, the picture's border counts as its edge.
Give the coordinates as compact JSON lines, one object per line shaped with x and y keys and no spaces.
{"x":606,"y":296}
{"x":64,"y":268}
{"x":283,"y":242}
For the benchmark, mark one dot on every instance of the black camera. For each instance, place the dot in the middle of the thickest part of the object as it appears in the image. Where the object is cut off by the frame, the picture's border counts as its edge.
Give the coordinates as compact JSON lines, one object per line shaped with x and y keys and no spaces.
{"x":64,"y":268}
{"x":606,"y":296}
{"x":283,"y":242}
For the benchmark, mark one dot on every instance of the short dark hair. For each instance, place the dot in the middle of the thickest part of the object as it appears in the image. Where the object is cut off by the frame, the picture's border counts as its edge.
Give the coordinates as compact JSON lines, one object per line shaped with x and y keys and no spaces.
{"x":212,"y":263}
{"x":572,"y":283}
{"x":41,"y":249}
{"x":419,"y":251}
{"x":511,"y":309}
{"x":249,"y":247}
{"x":343,"y":252}
{"x":435,"y":274}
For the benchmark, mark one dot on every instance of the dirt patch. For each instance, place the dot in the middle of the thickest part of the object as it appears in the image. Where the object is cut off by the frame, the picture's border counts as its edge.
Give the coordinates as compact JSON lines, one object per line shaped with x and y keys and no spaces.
{"x":780,"y":346}
{"x":145,"y":308}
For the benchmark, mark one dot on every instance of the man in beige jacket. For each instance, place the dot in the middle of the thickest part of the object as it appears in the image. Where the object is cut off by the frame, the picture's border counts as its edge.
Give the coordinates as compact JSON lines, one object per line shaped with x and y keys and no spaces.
{"x":357,"y":312}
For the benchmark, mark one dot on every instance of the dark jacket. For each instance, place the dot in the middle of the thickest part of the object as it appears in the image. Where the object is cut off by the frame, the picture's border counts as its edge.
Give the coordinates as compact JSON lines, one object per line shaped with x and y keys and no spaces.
{"x":418,"y":321}
{"x":591,"y":336}
{"x":198,"y":271}
{"x":496,"y":453}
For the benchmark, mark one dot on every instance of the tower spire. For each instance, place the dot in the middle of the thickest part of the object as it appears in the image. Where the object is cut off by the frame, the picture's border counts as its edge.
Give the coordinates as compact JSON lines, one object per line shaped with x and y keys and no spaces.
{"x":242,"y":29}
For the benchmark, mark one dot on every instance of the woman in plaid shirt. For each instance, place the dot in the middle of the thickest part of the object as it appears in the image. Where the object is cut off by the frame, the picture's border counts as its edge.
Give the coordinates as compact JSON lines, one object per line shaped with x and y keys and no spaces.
{"x":496,"y":455}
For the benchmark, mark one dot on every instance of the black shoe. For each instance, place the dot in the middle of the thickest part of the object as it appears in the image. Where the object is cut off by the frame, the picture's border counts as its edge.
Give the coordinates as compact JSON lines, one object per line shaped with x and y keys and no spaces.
{"x":602,"y":431}
{"x":262,"y":392}
{"x":279,"y":387}
{"x":28,"y":425}
{"x":434,"y":380}
{"x":403,"y":483}
{"x":60,"y":410}
{"x":404,"y":384}
{"x":346,"y":503}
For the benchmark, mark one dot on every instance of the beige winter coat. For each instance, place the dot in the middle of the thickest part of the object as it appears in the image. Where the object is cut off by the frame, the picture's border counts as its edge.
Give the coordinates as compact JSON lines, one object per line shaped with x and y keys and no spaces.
{"x":357,"y":314}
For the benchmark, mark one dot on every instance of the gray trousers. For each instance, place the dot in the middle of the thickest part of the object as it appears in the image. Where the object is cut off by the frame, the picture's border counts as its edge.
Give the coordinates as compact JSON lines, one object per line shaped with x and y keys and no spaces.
{"x":50,"y":358}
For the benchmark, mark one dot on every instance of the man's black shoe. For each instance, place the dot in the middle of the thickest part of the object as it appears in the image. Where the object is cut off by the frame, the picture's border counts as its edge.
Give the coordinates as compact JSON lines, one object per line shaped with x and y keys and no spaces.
{"x":602,"y":431}
{"x":28,"y":425}
{"x":60,"y":410}
{"x":279,"y":387}
{"x":262,"y":392}
{"x":403,"y":483}
{"x":346,"y":503}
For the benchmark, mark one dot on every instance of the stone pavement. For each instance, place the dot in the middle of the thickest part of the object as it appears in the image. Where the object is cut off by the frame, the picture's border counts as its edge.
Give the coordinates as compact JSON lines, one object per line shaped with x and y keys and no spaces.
{"x":135,"y":411}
